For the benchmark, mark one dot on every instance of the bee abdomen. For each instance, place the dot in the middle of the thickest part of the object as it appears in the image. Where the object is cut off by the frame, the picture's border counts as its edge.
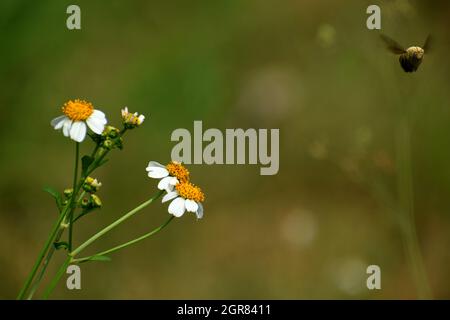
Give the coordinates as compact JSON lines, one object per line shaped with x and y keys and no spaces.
{"x":407,"y":63}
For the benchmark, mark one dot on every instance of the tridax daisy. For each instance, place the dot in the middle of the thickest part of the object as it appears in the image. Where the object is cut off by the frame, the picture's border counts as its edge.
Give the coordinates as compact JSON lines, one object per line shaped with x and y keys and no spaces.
{"x":186,"y":197}
{"x":170,"y":175}
{"x":78,"y":113}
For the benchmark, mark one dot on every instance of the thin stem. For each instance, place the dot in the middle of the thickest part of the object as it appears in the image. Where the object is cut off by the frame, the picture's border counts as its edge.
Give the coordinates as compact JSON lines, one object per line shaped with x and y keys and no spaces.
{"x":406,"y":199}
{"x":57,"y":277}
{"x":47,"y":259}
{"x":50,"y":253}
{"x":115,"y":224}
{"x":126,"y":244}
{"x":60,"y":230}
{"x":82,"y":214}
{"x":72,"y":199}
{"x":42,"y":254}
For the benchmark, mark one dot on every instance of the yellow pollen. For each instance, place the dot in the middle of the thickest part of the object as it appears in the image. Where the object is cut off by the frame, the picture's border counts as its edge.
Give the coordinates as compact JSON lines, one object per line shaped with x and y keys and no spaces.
{"x":178,"y":171}
{"x":77,"y":110}
{"x":190,"y":191}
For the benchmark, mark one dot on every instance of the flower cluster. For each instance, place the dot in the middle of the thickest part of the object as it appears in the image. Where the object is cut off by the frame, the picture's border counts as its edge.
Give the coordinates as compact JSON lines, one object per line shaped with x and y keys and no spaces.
{"x":110,"y":138}
{"x":76,"y":202}
{"x":79,"y":115}
{"x":174,"y":177}
{"x":175,"y":180}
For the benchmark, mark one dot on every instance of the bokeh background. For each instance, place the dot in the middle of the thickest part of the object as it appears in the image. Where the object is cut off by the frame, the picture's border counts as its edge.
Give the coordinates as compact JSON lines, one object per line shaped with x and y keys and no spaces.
{"x":310,"y":68}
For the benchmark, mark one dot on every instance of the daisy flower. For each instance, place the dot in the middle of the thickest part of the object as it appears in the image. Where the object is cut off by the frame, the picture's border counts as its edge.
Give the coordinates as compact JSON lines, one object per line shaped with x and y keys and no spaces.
{"x":170,"y":175}
{"x":78,"y":114}
{"x":131,"y":120}
{"x":185,"y":197}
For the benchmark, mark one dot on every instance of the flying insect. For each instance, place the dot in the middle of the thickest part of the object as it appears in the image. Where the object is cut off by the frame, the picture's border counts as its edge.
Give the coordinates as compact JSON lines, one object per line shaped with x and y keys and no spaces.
{"x":410,"y":58}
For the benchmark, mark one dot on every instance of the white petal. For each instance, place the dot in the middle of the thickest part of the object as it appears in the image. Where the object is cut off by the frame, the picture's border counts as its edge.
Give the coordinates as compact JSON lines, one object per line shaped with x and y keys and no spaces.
{"x":154,"y":164}
{"x":199,"y":212}
{"x":191,"y":205}
{"x":169,"y":196}
{"x":78,"y":131}
{"x":164,"y":183}
{"x":100,"y":116}
{"x":172,"y":183}
{"x":95,"y":124}
{"x":158,"y":173}
{"x":58,"y":122}
{"x":66,"y":127}
{"x":177,"y":207}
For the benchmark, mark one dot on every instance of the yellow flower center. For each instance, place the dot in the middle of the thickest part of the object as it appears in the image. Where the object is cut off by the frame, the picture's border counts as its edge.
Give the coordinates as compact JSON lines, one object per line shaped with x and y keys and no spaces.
{"x":178,"y":171}
{"x":190,"y":191}
{"x":77,"y":110}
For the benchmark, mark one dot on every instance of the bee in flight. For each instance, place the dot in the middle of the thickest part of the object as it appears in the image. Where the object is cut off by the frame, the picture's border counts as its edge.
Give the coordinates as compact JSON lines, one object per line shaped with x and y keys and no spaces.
{"x":411,"y":58}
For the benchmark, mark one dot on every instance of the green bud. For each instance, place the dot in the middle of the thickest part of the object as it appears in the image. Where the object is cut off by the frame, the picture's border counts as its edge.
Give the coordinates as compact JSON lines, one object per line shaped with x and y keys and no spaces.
{"x":108,"y":144}
{"x":68,"y":192}
{"x":119,"y":143}
{"x":111,"y":132}
{"x":85,"y":203}
{"x":95,"y":201}
{"x":91,"y":185}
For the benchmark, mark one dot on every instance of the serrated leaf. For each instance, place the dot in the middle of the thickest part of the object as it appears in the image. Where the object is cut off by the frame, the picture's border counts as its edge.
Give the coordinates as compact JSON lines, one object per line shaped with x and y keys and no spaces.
{"x":61,"y":245}
{"x":56,"y":195}
{"x":86,"y":162}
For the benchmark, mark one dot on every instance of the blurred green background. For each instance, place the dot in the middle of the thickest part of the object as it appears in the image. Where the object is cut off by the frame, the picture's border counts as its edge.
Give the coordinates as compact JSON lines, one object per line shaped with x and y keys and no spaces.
{"x":310,"y":68}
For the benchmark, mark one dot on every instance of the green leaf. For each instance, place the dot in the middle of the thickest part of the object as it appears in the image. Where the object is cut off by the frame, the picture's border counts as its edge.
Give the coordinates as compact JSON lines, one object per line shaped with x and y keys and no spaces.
{"x":98,"y":258}
{"x":56,"y":195}
{"x":86,"y":162}
{"x":61,"y":245}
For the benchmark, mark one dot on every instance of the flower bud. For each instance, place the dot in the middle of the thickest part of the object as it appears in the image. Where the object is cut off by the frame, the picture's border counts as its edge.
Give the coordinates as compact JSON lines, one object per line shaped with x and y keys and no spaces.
{"x":91,"y":185}
{"x":111,"y":132}
{"x":85,"y":203}
{"x":131,"y":120}
{"x":108,"y":144}
{"x":68,"y":192}
{"x":95,"y":201}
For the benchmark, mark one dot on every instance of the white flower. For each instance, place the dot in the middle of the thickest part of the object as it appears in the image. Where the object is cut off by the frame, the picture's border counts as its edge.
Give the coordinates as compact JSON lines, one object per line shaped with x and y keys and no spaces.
{"x":186,"y":197}
{"x":78,"y":114}
{"x":132,"y":120}
{"x":170,"y":175}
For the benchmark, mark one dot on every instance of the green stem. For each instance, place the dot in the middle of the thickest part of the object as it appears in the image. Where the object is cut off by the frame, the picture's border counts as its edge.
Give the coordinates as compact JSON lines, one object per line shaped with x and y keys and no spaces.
{"x":56,"y":235}
{"x":47,"y":259}
{"x":126,"y":244}
{"x":57,"y":277}
{"x":82,"y":214}
{"x":49,"y":256}
{"x":406,"y":200}
{"x":72,"y":199}
{"x":115,"y":224}
{"x":42,"y":254}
